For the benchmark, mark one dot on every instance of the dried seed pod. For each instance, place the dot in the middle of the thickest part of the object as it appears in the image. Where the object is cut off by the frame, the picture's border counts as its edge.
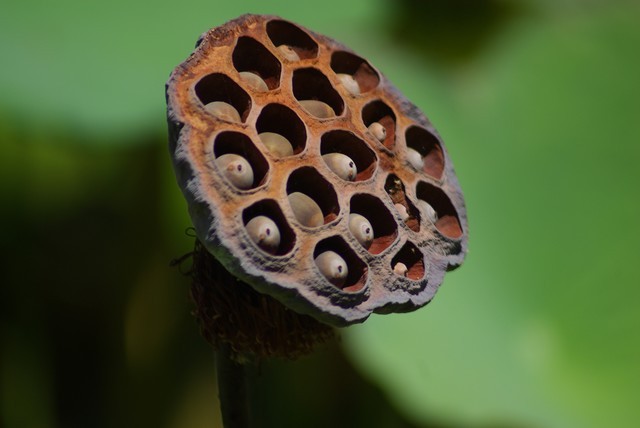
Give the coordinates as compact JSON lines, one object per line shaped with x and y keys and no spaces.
{"x":318,"y":109}
{"x":400,"y":160}
{"x":276,"y":144}
{"x":361,"y":229}
{"x":342,"y":165}
{"x":236,"y":169}
{"x":333,"y":267}
{"x":349,"y":83}
{"x":254,"y":81}
{"x":378,"y":131}
{"x":306,"y":210}
{"x":264,"y":232}
{"x":288,"y":53}
{"x":223,"y":111}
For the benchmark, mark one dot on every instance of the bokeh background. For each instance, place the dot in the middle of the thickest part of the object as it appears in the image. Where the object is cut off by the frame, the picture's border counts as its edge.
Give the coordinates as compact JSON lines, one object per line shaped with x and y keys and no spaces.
{"x":539,"y":105}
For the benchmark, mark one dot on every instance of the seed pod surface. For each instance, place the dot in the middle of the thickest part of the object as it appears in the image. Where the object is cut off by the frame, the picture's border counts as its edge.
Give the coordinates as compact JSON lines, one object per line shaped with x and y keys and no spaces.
{"x":275,"y":127}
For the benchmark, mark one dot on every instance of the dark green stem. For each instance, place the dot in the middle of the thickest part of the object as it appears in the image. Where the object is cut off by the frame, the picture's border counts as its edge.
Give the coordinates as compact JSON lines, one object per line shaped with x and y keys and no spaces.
{"x":233,"y":389}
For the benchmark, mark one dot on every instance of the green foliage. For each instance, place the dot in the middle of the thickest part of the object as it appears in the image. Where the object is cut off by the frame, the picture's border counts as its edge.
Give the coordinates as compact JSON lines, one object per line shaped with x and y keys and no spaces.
{"x":539,"y":327}
{"x":99,"y":68}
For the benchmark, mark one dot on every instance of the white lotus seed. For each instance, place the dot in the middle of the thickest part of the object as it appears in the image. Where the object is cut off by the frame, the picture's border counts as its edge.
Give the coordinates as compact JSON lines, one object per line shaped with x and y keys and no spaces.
{"x":318,"y":109}
{"x":400,"y":269}
{"x":223,"y":111}
{"x":428,"y":210}
{"x":342,"y":165}
{"x":264,"y":232}
{"x":333,"y":267}
{"x":236,"y":169}
{"x":361,"y":229}
{"x":402,"y":210}
{"x":254,"y":81}
{"x":349,"y":83}
{"x":276,"y":144}
{"x":306,"y":210}
{"x":289,"y":53}
{"x":378,"y":131}
{"x":415,"y":158}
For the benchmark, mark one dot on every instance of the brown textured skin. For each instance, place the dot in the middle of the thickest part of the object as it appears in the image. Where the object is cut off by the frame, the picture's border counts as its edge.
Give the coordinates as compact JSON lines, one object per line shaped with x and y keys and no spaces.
{"x":216,"y":207}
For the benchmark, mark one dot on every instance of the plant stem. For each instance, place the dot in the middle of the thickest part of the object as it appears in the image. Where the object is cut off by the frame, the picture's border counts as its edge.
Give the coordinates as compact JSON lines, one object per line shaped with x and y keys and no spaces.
{"x":232,"y":389}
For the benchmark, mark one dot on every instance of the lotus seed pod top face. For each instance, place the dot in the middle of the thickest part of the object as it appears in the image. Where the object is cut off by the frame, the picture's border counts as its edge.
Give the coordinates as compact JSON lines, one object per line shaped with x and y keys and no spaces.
{"x":309,"y":176}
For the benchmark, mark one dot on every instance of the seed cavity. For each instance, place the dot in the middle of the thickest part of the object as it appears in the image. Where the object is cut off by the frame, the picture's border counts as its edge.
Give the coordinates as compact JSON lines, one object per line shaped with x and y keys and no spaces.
{"x":333,"y":267}
{"x":342,"y":165}
{"x":318,"y":109}
{"x":288,"y":53}
{"x":264,"y":232}
{"x":361,"y":229}
{"x":277,"y":145}
{"x":306,"y":210}
{"x":223,"y":111}
{"x":253,"y":81}
{"x":236,"y":169}
{"x":378,"y":131}
{"x":349,"y":83}
{"x":400,"y":269}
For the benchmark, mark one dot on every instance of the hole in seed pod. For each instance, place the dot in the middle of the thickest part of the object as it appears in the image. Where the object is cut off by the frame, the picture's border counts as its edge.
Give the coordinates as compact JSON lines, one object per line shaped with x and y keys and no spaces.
{"x":447,"y":221}
{"x":385,"y":228}
{"x":376,"y":116}
{"x":409,"y":262}
{"x":284,"y":33}
{"x":230,"y":142}
{"x":352,"y":65}
{"x":250,"y":56}
{"x":281,"y":120}
{"x":357,"y":151}
{"x":424,"y":152}
{"x":270,"y":209}
{"x":310,"y":85}
{"x":306,"y":187}
{"x":405,"y":209}
{"x":219,"y":88}
{"x":329,"y":266}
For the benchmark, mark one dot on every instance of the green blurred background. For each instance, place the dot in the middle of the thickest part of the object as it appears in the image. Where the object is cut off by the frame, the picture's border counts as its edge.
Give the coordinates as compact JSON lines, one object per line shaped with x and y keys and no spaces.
{"x":539,"y":105}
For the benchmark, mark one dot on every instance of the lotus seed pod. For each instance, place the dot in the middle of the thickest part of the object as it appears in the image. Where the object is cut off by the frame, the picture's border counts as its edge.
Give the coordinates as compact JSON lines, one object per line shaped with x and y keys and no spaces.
{"x":342,"y":165}
{"x":400,"y":269}
{"x":402,"y":210}
{"x":415,"y":158}
{"x":264,"y":232}
{"x":361,"y":229}
{"x":236,"y":169}
{"x":306,"y":210}
{"x":378,"y":131}
{"x":428,"y":210}
{"x":333,"y":267}
{"x":276,"y":144}
{"x":318,"y":109}
{"x":325,"y":99}
{"x":223,"y":111}
{"x":288,"y":53}
{"x":349,"y":83}
{"x":254,"y":81}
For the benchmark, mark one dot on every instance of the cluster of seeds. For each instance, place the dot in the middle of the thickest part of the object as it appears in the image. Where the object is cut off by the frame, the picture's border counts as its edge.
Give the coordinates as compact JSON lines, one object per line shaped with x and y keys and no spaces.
{"x":309,"y":176}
